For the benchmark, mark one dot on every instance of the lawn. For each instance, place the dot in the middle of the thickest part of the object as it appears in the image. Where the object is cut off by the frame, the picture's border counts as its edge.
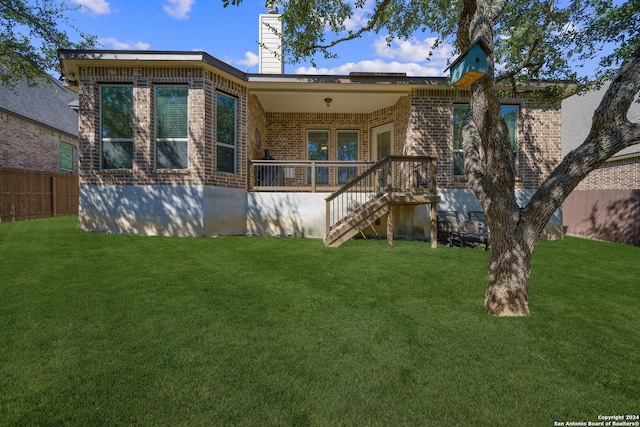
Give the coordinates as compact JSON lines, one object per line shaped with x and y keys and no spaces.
{"x":111,"y":330}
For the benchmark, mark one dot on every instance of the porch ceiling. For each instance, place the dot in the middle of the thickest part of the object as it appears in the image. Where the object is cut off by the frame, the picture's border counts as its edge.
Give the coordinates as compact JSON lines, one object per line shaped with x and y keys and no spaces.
{"x":305,"y":101}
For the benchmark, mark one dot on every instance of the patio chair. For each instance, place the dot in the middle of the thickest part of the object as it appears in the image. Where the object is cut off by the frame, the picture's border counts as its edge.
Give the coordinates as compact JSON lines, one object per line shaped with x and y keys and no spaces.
{"x":455,"y":229}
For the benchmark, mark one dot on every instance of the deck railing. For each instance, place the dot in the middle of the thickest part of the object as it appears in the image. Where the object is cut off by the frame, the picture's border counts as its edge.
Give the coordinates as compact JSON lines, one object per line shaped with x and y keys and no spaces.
{"x":303,"y":175}
{"x":395,"y":174}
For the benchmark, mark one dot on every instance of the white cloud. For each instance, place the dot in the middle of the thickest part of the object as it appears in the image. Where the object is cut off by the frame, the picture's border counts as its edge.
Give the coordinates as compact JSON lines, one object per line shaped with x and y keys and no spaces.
{"x":98,"y":7}
{"x":178,"y":9}
{"x":360,"y":16}
{"x":250,"y":60}
{"x":412,"y":50}
{"x":110,"y":42}
{"x":376,"y":65}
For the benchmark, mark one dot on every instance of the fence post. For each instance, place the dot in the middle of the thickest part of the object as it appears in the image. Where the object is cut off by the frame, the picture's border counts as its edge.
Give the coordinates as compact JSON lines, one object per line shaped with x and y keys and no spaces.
{"x":54,"y":198}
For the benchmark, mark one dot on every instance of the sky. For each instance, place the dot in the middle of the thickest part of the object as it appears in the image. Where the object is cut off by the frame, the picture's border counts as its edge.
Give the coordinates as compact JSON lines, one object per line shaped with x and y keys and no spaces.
{"x":231,"y":35}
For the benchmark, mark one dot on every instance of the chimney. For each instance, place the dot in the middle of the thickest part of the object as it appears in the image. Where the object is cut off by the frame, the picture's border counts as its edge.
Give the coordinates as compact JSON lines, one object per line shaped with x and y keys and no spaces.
{"x":270,"y":57}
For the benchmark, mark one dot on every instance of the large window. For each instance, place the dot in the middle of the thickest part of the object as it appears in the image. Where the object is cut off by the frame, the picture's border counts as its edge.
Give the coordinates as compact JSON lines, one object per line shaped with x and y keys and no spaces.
{"x":318,"y":149}
{"x":510,"y":113}
{"x":116,"y":127}
{"x":347,"y":150}
{"x":226,"y":122}
{"x":172,"y":127}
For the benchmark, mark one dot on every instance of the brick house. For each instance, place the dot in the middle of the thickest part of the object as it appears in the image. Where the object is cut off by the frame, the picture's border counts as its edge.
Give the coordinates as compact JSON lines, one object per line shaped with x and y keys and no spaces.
{"x":39,"y":128}
{"x":180,"y":143}
{"x":606,"y":204}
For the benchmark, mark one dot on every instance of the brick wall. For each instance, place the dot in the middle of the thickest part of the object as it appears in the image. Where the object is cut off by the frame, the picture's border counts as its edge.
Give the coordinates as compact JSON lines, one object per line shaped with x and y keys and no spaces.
{"x":201,"y":112}
{"x":430,"y":133}
{"x":622,"y":174}
{"x":423,"y":125}
{"x":25,"y":145}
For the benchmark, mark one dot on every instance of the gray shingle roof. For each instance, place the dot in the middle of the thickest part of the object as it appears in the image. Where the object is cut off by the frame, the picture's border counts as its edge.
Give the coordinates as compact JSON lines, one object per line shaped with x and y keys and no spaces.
{"x":48,"y":105}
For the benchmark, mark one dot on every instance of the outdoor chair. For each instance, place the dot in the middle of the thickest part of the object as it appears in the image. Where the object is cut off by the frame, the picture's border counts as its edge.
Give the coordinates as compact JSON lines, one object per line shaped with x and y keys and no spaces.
{"x":457,"y":229}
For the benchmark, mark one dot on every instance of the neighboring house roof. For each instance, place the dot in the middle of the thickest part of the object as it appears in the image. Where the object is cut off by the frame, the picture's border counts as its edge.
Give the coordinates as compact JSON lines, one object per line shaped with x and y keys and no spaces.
{"x":577,"y":116}
{"x":50,"y":106}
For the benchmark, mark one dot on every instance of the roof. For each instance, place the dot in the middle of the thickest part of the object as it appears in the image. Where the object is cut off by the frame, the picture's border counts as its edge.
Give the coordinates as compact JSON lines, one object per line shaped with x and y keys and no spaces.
{"x":353,"y":93}
{"x":286,"y":93}
{"x":50,"y":106}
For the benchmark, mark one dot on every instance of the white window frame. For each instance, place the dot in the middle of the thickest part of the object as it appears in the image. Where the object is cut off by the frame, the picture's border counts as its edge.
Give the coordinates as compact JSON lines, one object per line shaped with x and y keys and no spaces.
{"x":175,"y":141}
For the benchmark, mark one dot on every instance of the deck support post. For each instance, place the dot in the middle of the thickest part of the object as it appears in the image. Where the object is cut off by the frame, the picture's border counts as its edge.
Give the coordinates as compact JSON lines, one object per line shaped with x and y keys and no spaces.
{"x":390,"y":227}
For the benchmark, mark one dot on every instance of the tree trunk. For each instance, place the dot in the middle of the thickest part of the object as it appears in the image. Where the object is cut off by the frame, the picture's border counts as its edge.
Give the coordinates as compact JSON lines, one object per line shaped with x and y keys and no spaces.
{"x":508,"y":278}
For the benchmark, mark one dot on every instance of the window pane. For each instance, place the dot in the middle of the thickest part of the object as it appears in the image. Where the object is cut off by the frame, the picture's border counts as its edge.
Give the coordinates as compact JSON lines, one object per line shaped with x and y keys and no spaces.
{"x":225,"y":158}
{"x":171,"y":112}
{"x":172,"y":154}
{"x":347,"y":145}
{"x":511,"y":116}
{"x":318,"y":149}
{"x":226,"y":120}
{"x":226,"y":133}
{"x":347,"y":150}
{"x":117,"y":154}
{"x":459,"y":111}
{"x":116,"y":108}
{"x":66,"y":157}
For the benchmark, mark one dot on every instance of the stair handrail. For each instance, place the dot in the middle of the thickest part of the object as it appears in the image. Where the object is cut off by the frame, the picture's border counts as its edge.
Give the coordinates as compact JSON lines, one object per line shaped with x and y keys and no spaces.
{"x":388,"y":161}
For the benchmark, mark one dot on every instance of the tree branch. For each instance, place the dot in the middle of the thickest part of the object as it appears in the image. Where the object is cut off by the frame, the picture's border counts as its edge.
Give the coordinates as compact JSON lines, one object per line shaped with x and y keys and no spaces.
{"x":611,"y":131}
{"x":354,"y":35}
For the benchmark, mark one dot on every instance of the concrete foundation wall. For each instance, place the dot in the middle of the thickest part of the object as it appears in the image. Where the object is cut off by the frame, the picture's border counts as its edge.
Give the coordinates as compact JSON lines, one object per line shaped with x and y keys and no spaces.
{"x":161,"y":210}
{"x":195,"y":211}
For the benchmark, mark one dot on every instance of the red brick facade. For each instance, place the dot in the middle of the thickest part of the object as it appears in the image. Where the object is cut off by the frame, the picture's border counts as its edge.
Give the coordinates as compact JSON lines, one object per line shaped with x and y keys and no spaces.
{"x":423,"y":125}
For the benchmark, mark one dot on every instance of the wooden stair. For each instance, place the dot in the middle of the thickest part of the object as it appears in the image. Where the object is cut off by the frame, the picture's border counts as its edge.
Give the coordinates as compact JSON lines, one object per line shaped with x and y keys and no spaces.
{"x":357,"y":220}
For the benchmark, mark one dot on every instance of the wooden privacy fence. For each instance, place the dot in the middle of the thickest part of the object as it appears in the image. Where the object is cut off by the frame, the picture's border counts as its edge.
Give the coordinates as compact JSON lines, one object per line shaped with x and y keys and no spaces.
{"x":35,"y":194}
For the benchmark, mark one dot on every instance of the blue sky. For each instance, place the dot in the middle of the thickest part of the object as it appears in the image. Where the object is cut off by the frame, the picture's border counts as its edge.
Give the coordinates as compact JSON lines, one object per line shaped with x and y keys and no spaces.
{"x":230,"y":34}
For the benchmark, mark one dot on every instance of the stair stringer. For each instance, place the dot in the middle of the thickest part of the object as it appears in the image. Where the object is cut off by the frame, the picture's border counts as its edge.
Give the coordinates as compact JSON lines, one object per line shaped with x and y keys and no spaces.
{"x":357,"y":220}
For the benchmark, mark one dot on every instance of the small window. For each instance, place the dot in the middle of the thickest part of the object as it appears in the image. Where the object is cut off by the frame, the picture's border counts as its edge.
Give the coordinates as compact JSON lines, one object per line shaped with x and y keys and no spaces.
{"x":116,"y":127}
{"x":172,"y":127}
{"x":226,"y":125}
{"x":67,"y":158}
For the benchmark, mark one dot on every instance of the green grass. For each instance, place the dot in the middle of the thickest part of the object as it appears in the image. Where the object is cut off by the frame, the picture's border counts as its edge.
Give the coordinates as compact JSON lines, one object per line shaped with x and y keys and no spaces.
{"x":126,"y":330}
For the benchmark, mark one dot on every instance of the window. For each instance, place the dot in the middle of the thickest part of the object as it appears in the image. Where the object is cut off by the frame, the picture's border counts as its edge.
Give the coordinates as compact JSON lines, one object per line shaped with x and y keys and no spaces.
{"x":318,"y":149}
{"x":67,"y":157}
{"x":226,"y":133}
{"x":172,"y":127}
{"x":459,"y":111}
{"x":510,"y":113}
{"x":511,"y":116}
{"x":116,"y":127}
{"x":347,"y":150}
